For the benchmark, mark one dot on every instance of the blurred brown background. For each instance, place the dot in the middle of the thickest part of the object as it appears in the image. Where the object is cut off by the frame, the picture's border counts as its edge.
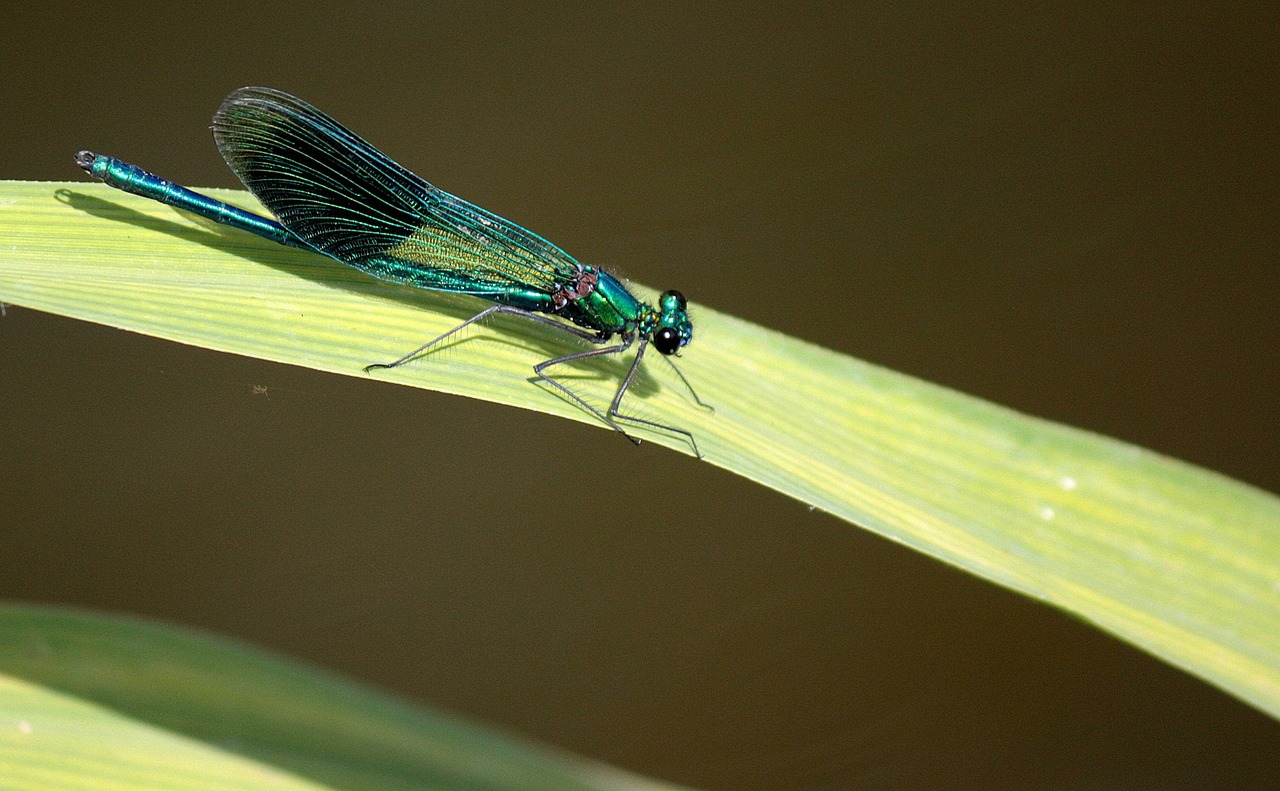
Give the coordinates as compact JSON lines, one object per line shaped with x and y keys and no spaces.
{"x":1069,"y":212}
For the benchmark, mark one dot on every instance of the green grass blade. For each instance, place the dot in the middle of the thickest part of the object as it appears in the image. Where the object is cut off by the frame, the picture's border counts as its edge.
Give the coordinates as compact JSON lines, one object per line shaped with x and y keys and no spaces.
{"x":1177,"y":560}
{"x":90,"y":702}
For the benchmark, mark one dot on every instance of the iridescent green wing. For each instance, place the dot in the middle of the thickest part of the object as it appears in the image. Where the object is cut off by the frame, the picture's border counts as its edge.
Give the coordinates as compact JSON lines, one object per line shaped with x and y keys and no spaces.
{"x":352,"y":202}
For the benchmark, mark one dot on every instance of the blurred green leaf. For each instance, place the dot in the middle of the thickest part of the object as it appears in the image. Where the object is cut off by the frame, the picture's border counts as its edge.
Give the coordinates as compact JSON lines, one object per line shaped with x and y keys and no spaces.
{"x":90,"y":702}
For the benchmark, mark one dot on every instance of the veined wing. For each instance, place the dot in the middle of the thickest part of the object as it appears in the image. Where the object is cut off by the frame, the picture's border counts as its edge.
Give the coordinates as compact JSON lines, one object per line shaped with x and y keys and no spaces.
{"x":354,"y":203}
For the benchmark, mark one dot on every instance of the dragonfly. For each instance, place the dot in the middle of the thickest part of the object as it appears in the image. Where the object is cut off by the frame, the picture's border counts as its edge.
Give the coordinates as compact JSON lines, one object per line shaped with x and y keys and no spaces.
{"x":333,"y":193}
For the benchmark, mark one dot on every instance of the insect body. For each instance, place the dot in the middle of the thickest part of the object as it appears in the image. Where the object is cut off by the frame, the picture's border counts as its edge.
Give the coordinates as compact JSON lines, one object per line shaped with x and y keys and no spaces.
{"x":334,"y":193}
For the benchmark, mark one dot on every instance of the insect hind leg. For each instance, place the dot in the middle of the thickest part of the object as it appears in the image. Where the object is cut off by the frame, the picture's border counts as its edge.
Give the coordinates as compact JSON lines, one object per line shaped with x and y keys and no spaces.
{"x":481,"y":316}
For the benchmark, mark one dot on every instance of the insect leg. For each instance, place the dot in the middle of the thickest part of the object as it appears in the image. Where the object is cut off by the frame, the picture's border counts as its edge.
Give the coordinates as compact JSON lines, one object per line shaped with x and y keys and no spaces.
{"x":622,"y":390}
{"x":692,"y":392}
{"x":540,"y":370}
{"x":481,"y":316}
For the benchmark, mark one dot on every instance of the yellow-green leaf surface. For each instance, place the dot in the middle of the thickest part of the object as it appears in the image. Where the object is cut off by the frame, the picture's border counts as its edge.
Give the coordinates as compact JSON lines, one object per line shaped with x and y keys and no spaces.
{"x":1180,"y":561}
{"x":88,"y":702}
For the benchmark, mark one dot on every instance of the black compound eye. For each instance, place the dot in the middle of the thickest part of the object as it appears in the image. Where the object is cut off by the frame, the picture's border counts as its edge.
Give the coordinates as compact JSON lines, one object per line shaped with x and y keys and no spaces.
{"x":679,"y":298}
{"x":666,"y":340}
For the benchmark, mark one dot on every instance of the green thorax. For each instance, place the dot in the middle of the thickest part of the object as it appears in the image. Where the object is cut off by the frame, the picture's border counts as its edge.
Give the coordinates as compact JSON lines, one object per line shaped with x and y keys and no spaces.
{"x":610,"y":308}
{"x":606,"y":305}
